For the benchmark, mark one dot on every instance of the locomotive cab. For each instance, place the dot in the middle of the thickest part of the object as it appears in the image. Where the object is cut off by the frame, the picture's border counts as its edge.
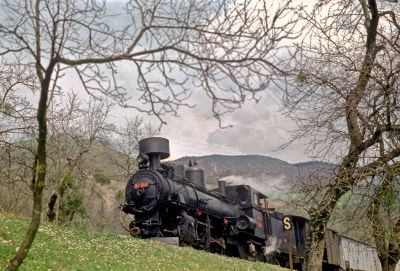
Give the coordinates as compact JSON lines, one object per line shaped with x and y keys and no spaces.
{"x":252,"y":226}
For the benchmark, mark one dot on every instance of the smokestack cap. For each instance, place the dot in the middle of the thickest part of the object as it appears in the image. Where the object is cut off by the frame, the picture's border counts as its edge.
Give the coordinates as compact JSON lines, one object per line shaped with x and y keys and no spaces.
{"x":155,"y":146}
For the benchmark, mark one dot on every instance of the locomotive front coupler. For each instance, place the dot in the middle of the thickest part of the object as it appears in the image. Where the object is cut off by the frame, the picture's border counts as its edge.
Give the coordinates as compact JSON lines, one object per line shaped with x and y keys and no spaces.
{"x":134,"y":231}
{"x":126,"y":208}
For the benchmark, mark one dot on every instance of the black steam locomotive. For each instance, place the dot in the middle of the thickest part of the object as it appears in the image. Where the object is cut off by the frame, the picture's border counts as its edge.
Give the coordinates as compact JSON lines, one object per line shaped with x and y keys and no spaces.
{"x":173,"y":204}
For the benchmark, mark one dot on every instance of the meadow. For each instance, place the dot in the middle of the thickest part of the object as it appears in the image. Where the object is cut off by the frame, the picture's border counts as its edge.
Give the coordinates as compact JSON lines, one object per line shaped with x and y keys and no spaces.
{"x":60,"y":248}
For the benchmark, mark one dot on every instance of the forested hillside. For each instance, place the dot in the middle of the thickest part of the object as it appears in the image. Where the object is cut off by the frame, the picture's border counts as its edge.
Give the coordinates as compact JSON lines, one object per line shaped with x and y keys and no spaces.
{"x":89,"y":178}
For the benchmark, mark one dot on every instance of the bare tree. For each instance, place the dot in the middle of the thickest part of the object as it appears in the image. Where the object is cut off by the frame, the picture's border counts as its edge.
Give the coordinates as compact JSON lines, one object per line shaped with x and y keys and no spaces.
{"x":125,"y":140}
{"x":74,"y":129}
{"x":16,"y":125}
{"x":225,"y":48}
{"x":345,"y":99}
{"x":15,"y":177}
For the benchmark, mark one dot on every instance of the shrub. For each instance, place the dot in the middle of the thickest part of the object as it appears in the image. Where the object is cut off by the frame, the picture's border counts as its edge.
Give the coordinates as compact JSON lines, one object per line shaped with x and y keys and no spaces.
{"x":101,"y":178}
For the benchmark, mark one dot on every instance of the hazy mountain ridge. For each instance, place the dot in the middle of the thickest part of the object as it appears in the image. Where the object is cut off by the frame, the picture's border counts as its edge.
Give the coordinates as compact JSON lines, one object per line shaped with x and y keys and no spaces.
{"x":254,"y":166}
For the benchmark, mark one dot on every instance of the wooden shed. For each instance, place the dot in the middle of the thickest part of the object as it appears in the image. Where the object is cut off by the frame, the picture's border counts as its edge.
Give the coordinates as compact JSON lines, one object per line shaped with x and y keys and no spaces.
{"x":350,"y":254}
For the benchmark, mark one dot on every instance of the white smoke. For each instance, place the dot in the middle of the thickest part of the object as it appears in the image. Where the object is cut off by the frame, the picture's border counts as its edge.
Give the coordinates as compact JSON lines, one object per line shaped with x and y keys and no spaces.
{"x":273,"y":245}
{"x":274,"y":186}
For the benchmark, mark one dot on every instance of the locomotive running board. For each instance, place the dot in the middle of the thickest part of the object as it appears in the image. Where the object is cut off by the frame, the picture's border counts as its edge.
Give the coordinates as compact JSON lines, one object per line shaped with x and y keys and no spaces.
{"x":167,"y":240}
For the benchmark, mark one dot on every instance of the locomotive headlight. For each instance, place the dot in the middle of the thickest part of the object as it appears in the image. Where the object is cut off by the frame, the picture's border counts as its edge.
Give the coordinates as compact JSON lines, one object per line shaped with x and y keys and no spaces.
{"x":142,"y":158}
{"x":141,"y":185}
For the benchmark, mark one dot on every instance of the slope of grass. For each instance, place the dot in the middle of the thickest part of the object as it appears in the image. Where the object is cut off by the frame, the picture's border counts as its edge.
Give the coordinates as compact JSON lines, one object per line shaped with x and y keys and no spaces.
{"x":58,"y":248}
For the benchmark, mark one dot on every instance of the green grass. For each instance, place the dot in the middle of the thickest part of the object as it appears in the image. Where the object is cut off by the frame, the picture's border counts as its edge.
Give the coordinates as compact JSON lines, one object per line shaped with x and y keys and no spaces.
{"x":59,"y":248}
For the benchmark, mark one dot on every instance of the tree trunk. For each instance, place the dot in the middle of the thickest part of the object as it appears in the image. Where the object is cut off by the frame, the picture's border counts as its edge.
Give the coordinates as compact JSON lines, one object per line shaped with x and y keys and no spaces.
{"x":39,"y":182}
{"x":313,"y":262}
{"x":36,"y":212}
{"x":30,"y":235}
{"x":315,"y":246}
{"x":385,"y":263}
{"x":51,"y":213}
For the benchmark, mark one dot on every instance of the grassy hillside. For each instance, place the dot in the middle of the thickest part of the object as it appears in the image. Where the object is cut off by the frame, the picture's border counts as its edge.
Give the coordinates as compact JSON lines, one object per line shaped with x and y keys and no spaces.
{"x":58,"y":248}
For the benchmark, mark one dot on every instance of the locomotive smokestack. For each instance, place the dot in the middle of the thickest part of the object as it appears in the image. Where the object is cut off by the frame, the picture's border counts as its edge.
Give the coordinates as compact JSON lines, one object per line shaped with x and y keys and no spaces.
{"x":222,"y":187}
{"x":156,"y":148}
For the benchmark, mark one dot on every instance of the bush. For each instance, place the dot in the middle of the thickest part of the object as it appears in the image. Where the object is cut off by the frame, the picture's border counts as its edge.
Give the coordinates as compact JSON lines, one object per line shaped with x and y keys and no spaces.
{"x":70,"y":199}
{"x":101,"y":178}
{"x":120,"y":195}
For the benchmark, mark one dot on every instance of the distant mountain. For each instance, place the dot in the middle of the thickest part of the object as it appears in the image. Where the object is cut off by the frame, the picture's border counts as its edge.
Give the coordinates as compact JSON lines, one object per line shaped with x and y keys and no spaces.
{"x":268,"y":174}
{"x":219,"y":166}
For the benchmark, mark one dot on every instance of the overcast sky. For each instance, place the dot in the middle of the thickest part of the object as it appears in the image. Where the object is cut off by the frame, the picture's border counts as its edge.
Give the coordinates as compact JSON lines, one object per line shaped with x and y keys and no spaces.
{"x":258,"y":128}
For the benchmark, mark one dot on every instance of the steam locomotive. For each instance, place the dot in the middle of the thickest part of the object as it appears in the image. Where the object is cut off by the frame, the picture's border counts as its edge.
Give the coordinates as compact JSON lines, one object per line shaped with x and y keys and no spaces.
{"x":172,"y":204}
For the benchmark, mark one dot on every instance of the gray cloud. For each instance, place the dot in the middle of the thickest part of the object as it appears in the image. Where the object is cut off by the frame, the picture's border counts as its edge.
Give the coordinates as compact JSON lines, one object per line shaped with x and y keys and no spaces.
{"x":258,"y":128}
